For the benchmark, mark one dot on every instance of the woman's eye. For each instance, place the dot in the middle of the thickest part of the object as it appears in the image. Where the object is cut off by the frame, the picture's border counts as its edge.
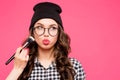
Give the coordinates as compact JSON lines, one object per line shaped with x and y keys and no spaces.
{"x":53,"y":28}
{"x":39,"y":27}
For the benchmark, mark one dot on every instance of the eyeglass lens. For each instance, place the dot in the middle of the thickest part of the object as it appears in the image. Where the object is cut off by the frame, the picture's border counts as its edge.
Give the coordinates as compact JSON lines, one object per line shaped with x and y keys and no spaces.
{"x":41,"y":30}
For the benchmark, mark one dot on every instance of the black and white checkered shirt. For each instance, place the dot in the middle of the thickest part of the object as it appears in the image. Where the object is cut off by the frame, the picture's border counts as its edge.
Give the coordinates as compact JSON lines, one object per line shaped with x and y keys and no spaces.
{"x":51,"y":73}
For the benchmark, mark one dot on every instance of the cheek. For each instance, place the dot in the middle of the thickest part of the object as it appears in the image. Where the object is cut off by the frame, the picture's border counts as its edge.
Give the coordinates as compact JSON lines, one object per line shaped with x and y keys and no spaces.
{"x":53,"y":40}
{"x":38,"y":39}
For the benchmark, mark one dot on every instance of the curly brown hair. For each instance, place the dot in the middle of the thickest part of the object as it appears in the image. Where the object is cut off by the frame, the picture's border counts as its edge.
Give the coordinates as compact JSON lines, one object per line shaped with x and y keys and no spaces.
{"x":61,"y":52}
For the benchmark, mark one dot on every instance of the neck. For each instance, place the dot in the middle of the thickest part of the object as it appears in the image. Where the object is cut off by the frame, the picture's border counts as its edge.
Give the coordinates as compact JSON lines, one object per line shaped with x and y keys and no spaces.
{"x":46,"y":57}
{"x":45,"y":54}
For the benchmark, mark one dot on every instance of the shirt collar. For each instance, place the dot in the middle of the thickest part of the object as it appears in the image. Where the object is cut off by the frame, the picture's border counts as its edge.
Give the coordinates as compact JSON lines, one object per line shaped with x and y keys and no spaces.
{"x":37,"y":63}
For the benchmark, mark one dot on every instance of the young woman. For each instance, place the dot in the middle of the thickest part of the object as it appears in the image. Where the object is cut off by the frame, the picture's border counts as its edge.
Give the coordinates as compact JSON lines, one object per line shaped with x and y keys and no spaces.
{"x":46,"y":58}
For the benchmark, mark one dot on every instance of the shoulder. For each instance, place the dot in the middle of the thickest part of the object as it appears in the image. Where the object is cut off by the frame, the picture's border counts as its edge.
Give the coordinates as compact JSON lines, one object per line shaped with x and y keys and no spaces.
{"x":75,"y":62}
{"x":80,"y":73}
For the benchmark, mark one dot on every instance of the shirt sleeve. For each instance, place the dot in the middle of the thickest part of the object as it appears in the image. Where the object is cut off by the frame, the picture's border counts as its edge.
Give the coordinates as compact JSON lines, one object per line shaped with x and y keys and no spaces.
{"x":80,"y":73}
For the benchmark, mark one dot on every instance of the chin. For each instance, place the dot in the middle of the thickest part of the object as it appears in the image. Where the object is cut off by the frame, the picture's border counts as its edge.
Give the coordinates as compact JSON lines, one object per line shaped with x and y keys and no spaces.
{"x":46,"y":47}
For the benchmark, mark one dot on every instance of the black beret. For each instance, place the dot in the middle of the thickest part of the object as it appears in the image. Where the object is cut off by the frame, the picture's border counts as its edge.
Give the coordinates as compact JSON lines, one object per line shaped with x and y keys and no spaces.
{"x":46,"y":10}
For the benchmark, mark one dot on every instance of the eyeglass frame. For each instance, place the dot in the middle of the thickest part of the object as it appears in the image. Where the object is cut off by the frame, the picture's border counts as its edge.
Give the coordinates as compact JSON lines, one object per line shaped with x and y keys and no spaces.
{"x":33,"y":29}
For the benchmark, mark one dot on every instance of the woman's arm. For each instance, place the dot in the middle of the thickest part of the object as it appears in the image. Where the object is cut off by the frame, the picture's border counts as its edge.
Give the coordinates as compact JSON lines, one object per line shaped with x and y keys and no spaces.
{"x":14,"y":74}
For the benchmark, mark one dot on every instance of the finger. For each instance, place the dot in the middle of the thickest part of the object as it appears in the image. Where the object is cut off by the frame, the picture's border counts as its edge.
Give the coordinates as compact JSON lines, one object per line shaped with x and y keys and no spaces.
{"x":18,"y":51}
{"x":27,"y":57}
{"x":24,"y":53}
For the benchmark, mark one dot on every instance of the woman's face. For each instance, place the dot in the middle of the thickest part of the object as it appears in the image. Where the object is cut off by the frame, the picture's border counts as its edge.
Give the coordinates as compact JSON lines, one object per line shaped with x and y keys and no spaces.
{"x":46,"y":33}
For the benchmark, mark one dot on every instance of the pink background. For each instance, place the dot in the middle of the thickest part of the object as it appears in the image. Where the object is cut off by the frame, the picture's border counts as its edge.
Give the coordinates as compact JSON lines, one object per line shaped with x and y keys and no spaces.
{"x":93,"y":25}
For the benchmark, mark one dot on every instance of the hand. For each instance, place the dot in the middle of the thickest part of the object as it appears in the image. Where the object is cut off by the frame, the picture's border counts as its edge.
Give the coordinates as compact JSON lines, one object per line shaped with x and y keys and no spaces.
{"x":20,"y":62}
{"x":21,"y":58}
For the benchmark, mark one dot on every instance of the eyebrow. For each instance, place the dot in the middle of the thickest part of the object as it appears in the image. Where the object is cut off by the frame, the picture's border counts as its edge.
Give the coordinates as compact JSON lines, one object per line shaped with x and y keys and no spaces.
{"x":39,"y":24}
{"x":43,"y":24}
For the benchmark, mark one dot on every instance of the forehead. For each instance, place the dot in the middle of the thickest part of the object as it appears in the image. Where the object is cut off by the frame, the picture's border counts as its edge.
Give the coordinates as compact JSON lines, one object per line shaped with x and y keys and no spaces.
{"x":46,"y":21}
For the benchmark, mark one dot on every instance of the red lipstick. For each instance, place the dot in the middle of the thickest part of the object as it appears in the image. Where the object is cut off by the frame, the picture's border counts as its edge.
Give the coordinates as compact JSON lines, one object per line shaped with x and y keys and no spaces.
{"x":46,"y":41}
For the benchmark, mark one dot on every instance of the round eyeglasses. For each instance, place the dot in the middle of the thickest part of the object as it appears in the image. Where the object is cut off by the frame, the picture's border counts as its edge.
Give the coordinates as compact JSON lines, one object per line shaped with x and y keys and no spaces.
{"x":52,"y":31}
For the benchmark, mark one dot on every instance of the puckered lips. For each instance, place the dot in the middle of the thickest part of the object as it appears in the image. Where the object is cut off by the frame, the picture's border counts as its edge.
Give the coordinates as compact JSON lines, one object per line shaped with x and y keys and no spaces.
{"x":46,"y":41}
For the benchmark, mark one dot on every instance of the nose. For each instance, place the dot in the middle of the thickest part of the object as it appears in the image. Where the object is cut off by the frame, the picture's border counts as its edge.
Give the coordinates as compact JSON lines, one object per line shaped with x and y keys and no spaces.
{"x":46,"y":34}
